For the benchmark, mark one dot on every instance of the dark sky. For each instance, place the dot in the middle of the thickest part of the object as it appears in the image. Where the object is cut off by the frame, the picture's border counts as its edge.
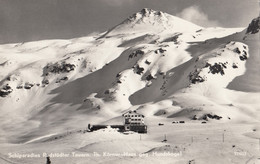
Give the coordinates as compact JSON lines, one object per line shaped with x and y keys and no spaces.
{"x":29,"y":20}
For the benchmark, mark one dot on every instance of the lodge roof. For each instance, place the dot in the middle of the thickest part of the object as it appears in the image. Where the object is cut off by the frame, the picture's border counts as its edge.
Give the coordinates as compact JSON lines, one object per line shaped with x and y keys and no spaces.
{"x":131,"y":112}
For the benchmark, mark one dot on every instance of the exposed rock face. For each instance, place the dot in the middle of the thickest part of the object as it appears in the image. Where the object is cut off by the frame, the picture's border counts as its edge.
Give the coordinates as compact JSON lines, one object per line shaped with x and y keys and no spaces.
{"x":135,"y":54}
{"x":6,"y":90}
{"x":217,"y":68}
{"x":28,"y":85}
{"x":149,"y":77}
{"x":146,"y":12}
{"x":62,"y":79}
{"x":254,"y":26}
{"x":45,"y":82}
{"x":194,"y":77}
{"x":160,"y":51}
{"x":211,"y":116}
{"x":139,"y":70}
{"x":58,"y":68}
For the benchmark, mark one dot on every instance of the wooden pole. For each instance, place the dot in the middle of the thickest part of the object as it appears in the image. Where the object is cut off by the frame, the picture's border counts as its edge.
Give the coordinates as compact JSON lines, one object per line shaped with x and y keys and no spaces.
{"x":259,"y":143}
{"x":223,"y":137}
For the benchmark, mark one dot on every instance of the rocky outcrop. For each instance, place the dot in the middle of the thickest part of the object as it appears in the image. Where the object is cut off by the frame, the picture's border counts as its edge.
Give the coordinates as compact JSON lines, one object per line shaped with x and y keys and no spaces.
{"x":6,"y":90}
{"x":217,"y":68}
{"x":159,"y":51}
{"x":254,"y":26}
{"x":62,"y":79}
{"x":146,"y":12}
{"x":28,"y":85}
{"x":57,"y":68}
{"x":211,"y":116}
{"x":149,"y":77}
{"x":135,"y":54}
{"x":45,"y":82}
{"x":194,"y":77}
{"x":139,"y":70}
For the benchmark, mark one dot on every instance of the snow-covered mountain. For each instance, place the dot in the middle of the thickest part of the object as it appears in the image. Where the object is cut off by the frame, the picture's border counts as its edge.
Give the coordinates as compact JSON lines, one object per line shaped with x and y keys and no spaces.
{"x":150,"y":21}
{"x":152,"y":62}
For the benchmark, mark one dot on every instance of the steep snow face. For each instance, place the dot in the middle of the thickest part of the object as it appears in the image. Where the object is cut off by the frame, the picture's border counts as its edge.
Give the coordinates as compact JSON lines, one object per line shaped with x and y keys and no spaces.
{"x":145,"y":65}
{"x":206,"y":74}
{"x":220,"y":66}
{"x":254,"y":26}
{"x":148,"y":20}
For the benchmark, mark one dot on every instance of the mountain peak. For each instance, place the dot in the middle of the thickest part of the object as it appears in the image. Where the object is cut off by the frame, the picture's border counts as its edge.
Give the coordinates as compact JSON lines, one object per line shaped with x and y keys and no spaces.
{"x":152,"y":21}
{"x":146,"y":13}
{"x":254,"y":26}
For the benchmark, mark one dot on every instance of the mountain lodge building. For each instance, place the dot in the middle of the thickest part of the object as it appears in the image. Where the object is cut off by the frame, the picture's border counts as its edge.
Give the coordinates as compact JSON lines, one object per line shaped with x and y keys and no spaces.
{"x":134,"y":121}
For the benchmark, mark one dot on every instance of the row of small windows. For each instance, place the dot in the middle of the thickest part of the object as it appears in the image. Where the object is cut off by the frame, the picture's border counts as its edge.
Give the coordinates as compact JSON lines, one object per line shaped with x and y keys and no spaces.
{"x":135,"y":123}
{"x":133,"y":115}
{"x":136,"y":119}
{"x":138,"y":123}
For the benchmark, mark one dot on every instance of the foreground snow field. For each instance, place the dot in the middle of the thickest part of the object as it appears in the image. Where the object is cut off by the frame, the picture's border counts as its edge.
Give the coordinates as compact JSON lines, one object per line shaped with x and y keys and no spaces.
{"x":189,"y":142}
{"x":51,"y":90}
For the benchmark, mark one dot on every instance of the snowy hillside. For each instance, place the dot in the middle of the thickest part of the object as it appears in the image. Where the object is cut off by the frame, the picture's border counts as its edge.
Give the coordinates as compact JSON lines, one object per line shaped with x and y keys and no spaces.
{"x":149,"y":63}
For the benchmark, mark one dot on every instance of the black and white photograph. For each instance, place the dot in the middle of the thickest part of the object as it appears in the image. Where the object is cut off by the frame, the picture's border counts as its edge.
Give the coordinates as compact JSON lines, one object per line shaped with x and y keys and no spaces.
{"x":129,"y":82}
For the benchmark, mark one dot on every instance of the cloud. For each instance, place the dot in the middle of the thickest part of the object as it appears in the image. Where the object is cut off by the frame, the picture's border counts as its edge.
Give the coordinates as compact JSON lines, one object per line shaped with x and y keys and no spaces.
{"x":195,"y":15}
{"x":118,"y":3}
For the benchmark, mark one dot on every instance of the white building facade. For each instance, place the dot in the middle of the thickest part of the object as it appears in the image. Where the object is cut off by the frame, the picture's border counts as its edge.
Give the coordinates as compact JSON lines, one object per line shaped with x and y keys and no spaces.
{"x":134,"y":121}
